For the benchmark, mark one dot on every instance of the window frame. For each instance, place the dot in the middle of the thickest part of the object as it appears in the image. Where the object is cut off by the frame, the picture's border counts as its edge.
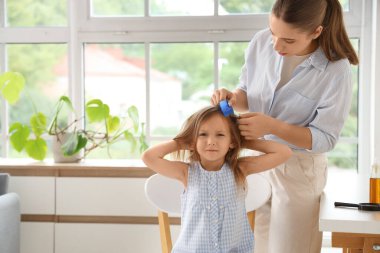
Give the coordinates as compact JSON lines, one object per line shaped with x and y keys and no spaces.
{"x":360,"y":21}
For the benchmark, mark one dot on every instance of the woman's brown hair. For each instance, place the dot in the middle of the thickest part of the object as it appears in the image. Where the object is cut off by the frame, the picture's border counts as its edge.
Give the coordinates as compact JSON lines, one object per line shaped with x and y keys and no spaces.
{"x":189,"y":132}
{"x":307,"y":15}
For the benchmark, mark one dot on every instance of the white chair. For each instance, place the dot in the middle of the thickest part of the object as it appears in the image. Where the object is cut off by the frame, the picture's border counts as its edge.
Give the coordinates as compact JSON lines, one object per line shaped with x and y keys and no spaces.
{"x":165,"y":194}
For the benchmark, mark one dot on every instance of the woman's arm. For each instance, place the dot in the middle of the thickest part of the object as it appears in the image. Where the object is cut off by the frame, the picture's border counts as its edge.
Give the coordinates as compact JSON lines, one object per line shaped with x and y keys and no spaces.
{"x":255,"y":125}
{"x":154,"y":159}
{"x":274,"y":154}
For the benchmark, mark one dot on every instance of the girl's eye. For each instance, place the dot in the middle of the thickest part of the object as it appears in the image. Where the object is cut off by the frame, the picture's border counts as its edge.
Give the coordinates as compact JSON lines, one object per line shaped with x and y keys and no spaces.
{"x":202,"y":134}
{"x":220,"y":135}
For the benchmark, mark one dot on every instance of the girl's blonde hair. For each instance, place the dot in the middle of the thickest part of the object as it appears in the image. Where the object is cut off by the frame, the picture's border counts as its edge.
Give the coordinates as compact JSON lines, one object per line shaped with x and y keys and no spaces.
{"x":307,"y":15}
{"x":186,"y":139}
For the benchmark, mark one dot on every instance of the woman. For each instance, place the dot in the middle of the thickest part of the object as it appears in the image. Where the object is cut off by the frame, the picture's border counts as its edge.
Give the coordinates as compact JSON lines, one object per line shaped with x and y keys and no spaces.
{"x":296,"y":83}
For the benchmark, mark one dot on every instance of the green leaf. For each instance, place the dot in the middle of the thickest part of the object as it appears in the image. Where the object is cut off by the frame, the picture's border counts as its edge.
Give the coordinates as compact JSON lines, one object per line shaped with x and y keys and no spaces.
{"x":53,"y":126}
{"x":19,"y":135}
{"x":97,"y":111}
{"x":38,"y":123}
{"x":36,"y":149}
{"x":66,"y":100}
{"x":143,"y":145}
{"x":133,"y":113}
{"x":113,"y":123}
{"x":11,"y":83}
{"x":75,"y":142}
{"x":128,"y":136}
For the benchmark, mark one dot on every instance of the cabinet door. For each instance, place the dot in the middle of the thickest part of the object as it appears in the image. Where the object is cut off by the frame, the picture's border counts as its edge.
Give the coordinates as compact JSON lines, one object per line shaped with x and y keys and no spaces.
{"x":37,"y":237}
{"x":103,"y":196}
{"x":37,"y":194}
{"x":110,"y":238}
{"x":37,"y":197}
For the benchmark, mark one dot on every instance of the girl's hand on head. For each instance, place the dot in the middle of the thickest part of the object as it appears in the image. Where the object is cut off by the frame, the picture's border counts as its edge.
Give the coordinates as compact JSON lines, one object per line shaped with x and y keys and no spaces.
{"x":254,"y":125}
{"x":223,"y":94}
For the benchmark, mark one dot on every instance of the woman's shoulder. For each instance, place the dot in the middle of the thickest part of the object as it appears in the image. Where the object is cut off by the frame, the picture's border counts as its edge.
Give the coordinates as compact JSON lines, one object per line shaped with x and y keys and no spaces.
{"x":262,"y":36}
{"x":339,"y":67}
{"x":261,"y":43}
{"x":334,"y":68}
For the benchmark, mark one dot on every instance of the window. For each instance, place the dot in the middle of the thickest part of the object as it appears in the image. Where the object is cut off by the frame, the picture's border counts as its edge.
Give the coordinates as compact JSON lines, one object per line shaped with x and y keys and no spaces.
{"x":165,"y":57}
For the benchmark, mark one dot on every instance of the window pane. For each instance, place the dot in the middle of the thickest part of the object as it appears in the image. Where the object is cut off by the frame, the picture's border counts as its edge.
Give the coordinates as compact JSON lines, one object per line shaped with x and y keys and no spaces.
{"x":44,"y":67}
{"x":115,"y":73}
{"x":245,"y":6}
{"x":345,"y":4}
{"x":344,"y":156}
{"x":231,"y":59}
{"x":255,"y":7}
{"x":182,"y":7}
{"x":117,"y":8}
{"x":345,"y":153}
{"x":36,"y":12}
{"x":181,"y":83}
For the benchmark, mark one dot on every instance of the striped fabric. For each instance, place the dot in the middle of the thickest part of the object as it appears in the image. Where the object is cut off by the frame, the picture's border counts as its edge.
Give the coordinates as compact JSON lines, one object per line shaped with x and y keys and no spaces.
{"x":213,"y":215}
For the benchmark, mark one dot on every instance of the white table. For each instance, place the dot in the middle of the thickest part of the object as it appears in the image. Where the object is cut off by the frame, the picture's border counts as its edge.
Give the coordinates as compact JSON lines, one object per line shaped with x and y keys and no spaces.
{"x":353,"y":230}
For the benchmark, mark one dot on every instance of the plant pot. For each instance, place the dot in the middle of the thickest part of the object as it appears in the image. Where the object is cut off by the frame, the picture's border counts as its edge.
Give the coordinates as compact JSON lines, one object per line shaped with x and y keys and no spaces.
{"x":58,"y":155}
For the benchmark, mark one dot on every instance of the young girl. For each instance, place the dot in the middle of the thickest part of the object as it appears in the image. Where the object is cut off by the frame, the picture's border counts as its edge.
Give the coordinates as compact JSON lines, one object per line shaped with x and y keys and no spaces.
{"x":213,"y":205}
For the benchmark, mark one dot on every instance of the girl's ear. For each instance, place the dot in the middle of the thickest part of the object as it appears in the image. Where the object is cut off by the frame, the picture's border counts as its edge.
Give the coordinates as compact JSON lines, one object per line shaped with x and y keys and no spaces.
{"x":232,"y":146}
{"x":317,"y":32}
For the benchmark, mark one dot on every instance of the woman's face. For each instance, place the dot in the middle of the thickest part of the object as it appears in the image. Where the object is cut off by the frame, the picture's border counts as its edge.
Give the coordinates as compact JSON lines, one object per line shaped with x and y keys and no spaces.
{"x":289,"y":41}
{"x":213,"y":142}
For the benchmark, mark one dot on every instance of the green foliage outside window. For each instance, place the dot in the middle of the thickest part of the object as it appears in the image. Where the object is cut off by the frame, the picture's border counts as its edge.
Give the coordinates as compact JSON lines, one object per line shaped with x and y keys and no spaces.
{"x":37,"y":12}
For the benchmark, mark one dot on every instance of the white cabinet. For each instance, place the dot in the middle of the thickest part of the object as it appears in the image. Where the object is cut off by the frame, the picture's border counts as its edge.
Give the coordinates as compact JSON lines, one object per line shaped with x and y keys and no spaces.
{"x":102,"y":196}
{"x":37,"y":237}
{"x":37,"y":197}
{"x":37,"y":194}
{"x":108,"y":238}
{"x":86,"y":214}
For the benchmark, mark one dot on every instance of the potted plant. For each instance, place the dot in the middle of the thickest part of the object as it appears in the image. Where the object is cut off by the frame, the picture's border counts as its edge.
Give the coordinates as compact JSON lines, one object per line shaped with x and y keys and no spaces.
{"x":69,"y":138}
{"x":103,"y":129}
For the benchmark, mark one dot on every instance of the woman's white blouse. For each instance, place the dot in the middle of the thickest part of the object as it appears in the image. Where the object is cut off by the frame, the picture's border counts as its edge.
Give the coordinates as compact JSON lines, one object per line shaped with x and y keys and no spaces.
{"x":317,"y":96}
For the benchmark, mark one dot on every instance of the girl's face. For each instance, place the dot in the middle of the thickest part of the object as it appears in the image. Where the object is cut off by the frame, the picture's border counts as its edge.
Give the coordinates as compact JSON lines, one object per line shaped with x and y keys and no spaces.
{"x":213,"y":142}
{"x":289,"y":41}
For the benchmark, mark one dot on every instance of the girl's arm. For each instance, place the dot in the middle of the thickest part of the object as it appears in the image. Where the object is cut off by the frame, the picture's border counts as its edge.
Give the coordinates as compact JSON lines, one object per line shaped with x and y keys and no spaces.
{"x":274,"y":154}
{"x":154,"y":159}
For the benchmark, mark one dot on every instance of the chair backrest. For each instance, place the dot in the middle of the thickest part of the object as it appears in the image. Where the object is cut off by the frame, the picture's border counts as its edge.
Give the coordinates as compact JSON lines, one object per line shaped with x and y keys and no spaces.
{"x":165,"y":194}
{"x":10,"y":223}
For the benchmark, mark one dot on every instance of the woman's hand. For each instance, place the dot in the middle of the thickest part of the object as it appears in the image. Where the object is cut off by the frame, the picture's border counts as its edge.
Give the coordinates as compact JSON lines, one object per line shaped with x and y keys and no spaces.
{"x":223,"y":94}
{"x":254,"y":125}
{"x":237,"y":99}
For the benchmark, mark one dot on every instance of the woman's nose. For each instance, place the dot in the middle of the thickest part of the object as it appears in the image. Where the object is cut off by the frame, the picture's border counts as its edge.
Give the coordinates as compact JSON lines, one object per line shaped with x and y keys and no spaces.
{"x":276,"y":44}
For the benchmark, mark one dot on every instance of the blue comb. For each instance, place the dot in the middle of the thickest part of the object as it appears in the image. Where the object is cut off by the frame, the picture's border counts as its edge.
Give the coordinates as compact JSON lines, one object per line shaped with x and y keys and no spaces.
{"x":226,"y":108}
